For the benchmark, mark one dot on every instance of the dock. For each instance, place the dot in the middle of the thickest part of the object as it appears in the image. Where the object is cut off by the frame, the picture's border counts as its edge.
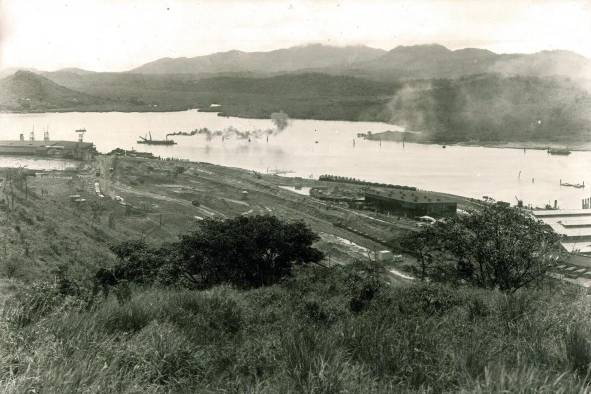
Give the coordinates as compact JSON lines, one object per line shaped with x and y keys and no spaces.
{"x":58,"y":149}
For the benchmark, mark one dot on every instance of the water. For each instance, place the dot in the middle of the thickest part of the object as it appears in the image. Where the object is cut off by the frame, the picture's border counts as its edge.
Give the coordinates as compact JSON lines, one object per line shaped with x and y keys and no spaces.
{"x":468,"y":171}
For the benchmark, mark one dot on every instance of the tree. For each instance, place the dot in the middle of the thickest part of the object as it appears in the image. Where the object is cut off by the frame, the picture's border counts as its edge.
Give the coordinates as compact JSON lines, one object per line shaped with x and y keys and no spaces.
{"x":495,"y":247}
{"x":140,"y":262}
{"x":246,"y":251}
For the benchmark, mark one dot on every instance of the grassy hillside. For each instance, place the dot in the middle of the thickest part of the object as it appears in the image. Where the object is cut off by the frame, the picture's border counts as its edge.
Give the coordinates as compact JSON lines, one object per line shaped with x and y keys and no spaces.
{"x":302,"y":336}
{"x":335,"y":327}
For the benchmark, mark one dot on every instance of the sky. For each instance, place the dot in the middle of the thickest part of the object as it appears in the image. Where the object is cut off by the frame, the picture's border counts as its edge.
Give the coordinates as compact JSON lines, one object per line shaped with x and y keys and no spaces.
{"x":117,"y":35}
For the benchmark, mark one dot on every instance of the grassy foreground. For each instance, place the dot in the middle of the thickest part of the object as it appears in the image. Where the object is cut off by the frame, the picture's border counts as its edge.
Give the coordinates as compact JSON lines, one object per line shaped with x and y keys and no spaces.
{"x":326,"y":330}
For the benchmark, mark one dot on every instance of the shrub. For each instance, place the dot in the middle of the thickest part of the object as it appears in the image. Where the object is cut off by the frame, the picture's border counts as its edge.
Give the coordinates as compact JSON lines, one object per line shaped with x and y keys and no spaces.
{"x":494,"y":247}
{"x":364,"y":282}
{"x":244,"y":251}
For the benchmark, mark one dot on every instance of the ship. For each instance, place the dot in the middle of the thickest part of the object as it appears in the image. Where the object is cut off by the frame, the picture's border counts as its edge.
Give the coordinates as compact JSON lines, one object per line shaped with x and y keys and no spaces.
{"x":558,"y":151}
{"x":150,"y":141}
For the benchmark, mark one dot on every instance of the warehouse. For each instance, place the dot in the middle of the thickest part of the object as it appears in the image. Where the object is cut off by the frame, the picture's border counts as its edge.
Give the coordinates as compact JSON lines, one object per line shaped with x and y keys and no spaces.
{"x":60,"y":149}
{"x":410,"y":203}
{"x":573,"y":225}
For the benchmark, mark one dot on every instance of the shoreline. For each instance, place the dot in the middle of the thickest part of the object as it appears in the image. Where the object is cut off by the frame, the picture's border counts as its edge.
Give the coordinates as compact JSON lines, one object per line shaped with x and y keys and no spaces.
{"x":534,"y":145}
{"x":579,"y":147}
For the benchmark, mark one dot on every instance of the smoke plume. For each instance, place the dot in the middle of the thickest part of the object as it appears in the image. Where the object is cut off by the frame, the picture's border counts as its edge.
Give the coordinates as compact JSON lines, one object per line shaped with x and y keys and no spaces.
{"x":279,"y":119}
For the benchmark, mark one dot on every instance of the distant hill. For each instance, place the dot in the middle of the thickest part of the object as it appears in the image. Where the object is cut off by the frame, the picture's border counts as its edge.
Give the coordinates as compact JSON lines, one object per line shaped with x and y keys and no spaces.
{"x":428,"y":61}
{"x":303,"y":95}
{"x":436,"y":61}
{"x":6,"y":72}
{"x":76,"y":70}
{"x":25,"y":91}
{"x":402,"y":62}
{"x":545,"y":63}
{"x":281,"y":60}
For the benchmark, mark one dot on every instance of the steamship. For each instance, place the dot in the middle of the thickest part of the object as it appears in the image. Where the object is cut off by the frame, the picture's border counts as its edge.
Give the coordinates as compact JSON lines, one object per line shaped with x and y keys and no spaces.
{"x":150,"y":141}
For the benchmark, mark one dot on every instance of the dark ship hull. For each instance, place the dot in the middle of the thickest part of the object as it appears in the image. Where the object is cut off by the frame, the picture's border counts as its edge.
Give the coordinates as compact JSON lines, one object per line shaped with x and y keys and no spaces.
{"x":156,"y":142}
{"x":150,"y":141}
{"x":556,"y":151}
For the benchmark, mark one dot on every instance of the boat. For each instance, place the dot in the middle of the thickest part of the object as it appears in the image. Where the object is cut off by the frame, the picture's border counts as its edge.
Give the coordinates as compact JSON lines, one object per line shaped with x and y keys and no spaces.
{"x":575,"y":185}
{"x":150,"y":141}
{"x":559,"y":151}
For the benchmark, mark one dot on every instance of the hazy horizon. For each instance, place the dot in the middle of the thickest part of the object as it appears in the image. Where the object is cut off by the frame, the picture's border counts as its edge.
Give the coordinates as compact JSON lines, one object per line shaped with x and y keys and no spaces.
{"x":120,"y":35}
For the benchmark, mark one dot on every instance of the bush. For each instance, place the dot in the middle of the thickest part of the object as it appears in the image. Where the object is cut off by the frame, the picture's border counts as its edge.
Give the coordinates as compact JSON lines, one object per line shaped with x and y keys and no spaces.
{"x":364,"y":282}
{"x":496,"y":247}
{"x":244,"y":251}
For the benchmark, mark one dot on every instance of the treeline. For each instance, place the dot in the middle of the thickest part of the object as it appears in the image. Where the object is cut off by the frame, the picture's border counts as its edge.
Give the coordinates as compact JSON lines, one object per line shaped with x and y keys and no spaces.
{"x":344,"y":179}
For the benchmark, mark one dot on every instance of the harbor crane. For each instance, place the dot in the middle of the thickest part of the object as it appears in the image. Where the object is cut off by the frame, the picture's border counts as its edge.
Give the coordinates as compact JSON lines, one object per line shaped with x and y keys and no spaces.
{"x":81,"y":134}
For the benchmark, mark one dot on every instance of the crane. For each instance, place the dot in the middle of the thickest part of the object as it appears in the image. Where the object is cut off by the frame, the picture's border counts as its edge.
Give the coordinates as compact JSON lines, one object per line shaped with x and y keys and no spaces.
{"x":81,"y":134}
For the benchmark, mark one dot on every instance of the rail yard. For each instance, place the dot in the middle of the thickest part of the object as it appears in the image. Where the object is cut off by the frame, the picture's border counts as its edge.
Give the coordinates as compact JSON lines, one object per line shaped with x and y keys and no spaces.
{"x":116,"y":197}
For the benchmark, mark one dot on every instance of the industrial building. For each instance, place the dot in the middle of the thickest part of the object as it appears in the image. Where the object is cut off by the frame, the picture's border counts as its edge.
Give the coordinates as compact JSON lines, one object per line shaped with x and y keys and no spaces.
{"x":574,"y":225}
{"x":77,"y":150}
{"x":410,"y":203}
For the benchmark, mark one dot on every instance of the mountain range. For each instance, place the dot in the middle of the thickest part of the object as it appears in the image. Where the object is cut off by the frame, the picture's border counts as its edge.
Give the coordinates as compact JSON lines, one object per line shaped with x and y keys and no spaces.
{"x":402,"y":62}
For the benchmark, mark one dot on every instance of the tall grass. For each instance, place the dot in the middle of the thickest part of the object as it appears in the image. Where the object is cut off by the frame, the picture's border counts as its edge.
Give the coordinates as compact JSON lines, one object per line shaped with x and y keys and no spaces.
{"x":299,"y":337}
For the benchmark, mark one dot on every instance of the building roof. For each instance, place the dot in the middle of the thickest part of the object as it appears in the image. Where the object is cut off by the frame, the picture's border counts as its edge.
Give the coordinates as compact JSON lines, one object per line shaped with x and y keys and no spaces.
{"x":561,"y":212}
{"x":416,"y":197}
{"x":570,"y":223}
{"x":41,"y":144}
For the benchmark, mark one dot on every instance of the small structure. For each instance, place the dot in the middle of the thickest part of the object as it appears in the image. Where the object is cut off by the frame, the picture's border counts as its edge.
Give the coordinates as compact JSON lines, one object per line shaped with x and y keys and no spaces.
{"x":384,"y":256}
